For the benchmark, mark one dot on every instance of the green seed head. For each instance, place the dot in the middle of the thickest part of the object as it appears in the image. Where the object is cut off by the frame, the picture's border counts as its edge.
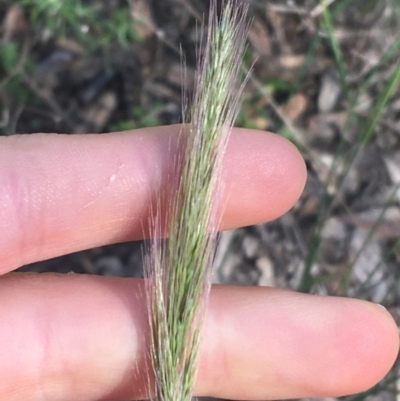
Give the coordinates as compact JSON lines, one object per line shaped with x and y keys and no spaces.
{"x":178,"y":269}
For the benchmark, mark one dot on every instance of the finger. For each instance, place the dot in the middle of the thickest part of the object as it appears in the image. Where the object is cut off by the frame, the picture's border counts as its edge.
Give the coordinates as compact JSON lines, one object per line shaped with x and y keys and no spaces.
{"x":83,"y":338}
{"x":64,"y":193}
{"x":275,"y":344}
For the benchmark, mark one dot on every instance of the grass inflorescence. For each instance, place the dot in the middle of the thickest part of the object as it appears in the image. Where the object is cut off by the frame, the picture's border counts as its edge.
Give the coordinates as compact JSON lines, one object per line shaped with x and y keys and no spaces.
{"x":179,"y":268}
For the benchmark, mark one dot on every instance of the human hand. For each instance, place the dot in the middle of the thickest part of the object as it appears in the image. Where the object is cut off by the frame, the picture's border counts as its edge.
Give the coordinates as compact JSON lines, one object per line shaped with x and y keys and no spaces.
{"x":75,"y":337}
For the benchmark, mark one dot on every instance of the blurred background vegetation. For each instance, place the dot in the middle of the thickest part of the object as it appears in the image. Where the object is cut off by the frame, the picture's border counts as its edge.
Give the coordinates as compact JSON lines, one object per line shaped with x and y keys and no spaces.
{"x":326,"y":76}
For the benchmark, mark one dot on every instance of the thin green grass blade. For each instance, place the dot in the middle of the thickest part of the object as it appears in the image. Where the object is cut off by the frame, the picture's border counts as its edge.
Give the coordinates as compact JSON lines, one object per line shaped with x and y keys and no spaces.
{"x":337,"y":53}
{"x":383,"y":100}
{"x":362,"y":140}
{"x":345,"y":282}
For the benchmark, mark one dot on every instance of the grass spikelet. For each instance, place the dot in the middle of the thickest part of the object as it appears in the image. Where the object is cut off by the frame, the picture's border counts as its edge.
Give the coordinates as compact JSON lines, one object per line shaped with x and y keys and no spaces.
{"x":178,"y":269}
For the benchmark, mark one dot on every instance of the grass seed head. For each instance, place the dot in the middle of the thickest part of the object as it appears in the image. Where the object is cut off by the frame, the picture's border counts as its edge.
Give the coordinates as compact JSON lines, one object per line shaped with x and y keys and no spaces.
{"x":178,"y":269}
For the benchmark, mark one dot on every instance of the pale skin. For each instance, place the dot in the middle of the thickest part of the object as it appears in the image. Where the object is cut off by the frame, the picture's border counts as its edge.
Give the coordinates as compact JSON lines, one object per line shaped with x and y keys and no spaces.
{"x":73,"y":337}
